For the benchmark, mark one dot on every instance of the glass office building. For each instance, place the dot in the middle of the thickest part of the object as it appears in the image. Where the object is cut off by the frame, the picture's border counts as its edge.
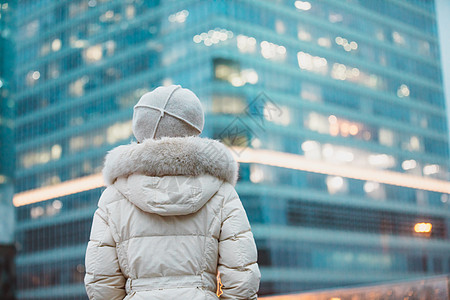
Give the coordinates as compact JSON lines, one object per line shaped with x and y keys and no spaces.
{"x":7,"y":250}
{"x":334,"y":109}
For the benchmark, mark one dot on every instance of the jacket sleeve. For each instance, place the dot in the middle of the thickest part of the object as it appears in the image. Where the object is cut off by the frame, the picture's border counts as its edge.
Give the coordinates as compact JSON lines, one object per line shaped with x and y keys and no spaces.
{"x":103,"y":279}
{"x":238,"y":266}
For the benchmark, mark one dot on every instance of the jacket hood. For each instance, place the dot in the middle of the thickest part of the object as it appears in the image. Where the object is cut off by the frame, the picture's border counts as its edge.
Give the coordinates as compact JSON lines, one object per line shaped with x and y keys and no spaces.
{"x":168,"y":195}
{"x":170,"y":176}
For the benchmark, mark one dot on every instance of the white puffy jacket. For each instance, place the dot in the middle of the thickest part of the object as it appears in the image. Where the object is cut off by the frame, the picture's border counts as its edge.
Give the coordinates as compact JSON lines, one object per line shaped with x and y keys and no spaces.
{"x":168,"y":221}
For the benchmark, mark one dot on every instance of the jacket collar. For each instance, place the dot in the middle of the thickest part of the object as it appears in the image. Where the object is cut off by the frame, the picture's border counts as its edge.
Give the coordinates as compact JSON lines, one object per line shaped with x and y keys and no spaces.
{"x":191,"y":156}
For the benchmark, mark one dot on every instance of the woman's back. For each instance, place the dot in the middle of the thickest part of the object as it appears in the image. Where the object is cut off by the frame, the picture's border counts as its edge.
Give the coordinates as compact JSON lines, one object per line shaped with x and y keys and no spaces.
{"x":168,"y":221}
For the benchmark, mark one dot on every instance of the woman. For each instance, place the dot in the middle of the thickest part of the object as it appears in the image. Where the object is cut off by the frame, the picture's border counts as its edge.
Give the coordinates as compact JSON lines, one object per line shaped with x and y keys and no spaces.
{"x":170,"y":220}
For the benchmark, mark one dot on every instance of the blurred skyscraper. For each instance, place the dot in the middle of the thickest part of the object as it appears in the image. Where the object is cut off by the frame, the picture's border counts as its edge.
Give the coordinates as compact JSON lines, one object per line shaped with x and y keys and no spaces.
{"x":443,"y":22}
{"x":340,"y":104}
{"x":7,"y":250}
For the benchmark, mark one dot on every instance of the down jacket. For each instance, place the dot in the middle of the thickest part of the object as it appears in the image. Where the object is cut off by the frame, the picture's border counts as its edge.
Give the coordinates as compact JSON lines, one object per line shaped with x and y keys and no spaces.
{"x":168,"y":221}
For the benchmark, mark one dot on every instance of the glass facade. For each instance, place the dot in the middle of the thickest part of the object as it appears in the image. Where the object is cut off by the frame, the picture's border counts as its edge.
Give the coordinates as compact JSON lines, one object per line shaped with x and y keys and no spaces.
{"x":7,"y":251}
{"x":349,"y":88}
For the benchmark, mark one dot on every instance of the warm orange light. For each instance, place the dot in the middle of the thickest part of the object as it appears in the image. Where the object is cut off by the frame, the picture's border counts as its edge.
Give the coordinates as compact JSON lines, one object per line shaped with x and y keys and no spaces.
{"x":219,"y":285}
{"x":296,"y":297}
{"x":354,"y":129}
{"x":284,"y":297}
{"x":345,"y":129}
{"x":59,"y":190}
{"x":423,"y":227}
{"x":299,"y":162}
{"x":332,"y":119}
{"x":334,"y":129}
{"x":258,"y":156}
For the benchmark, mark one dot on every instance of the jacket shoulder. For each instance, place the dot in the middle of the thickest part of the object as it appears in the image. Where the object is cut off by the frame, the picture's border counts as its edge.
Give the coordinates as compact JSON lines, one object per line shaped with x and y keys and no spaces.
{"x":110,"y":195}
{"x":227,"y":191}
{"x":232,"y":205}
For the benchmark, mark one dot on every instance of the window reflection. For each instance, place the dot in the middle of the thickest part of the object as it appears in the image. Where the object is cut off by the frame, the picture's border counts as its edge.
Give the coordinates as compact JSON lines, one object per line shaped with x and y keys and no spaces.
{"x":230,"y":71}
{"x":337,"y":126}
{"x":315,"y":64}
{"x":93,"y":54}
{"x":246,"y":44}
{"x":77,"y":88}
{"x":302,"y":5}
{"x":32,"y":77}
{"x":347,"y":155}
{"x":130,"y":11}
{"x":118,"y":132}
{"x":213,"y":36}
{"x":272,"y":51}
{"x":346,"y":45}
{"x":227,"y":104}
{"x":179,"y":17}
{"x":41,"y":157}
{"x":336,"y":185}
{"x":77,"y":7}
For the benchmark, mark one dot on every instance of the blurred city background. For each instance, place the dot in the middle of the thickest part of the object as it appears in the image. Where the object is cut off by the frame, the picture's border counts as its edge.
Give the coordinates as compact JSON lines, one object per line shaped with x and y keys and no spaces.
{"x":344,"y":167}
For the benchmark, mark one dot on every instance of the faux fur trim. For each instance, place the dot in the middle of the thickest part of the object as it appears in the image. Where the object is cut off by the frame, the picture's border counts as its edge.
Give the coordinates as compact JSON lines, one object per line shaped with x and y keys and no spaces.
{"x":171,"y":156}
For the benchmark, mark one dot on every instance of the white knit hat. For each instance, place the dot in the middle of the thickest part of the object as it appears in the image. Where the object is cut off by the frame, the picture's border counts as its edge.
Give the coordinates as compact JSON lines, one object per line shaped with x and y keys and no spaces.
{"x":167,"y":111}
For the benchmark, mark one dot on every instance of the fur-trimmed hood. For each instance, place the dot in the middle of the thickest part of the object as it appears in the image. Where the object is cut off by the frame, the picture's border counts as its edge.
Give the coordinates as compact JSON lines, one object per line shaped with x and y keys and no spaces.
{"x":166,"y":237}
{"x":191,"y":156}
